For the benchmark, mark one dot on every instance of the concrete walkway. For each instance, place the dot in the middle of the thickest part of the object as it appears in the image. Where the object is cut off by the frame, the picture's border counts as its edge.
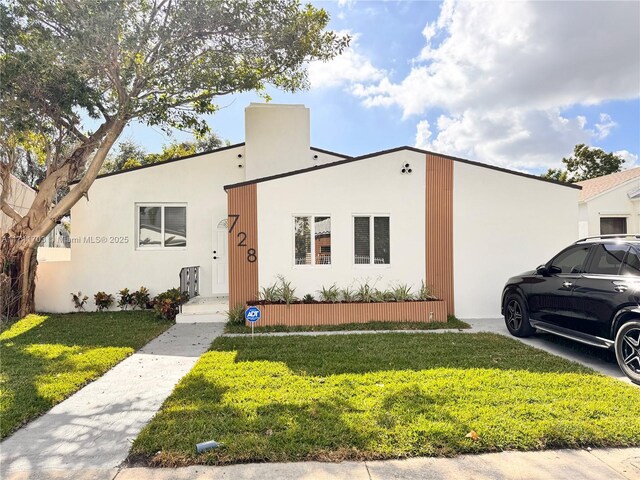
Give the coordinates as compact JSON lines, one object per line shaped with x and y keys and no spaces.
{"x":90,"y":433}
{"x":609,"y":464}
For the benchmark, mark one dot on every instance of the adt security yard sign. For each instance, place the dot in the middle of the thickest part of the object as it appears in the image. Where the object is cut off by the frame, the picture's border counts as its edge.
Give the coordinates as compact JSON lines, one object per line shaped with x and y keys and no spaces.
{"x":252,"y":314}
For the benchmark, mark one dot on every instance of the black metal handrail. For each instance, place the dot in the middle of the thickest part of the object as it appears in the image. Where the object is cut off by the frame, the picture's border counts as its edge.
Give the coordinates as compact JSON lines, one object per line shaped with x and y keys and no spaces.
{"x":190,"y":281}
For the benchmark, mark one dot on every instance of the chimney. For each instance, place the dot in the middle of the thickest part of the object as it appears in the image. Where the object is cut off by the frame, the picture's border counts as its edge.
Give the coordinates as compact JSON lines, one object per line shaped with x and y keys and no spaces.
{"x":277,"y":139}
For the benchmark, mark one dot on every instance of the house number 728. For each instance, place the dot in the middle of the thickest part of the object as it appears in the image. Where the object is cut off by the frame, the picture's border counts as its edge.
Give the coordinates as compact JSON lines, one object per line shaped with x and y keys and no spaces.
{"x":242,"y":239}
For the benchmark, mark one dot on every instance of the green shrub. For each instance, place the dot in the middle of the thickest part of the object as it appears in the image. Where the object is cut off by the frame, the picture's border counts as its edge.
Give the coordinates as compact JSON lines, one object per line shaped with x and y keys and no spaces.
{"x":103,"y":301}
{"x":287,"y":293}
{"x":365,"y":293}
{"x":235,"y":315}
{"x":126,"y":299}
{"x":308,"y":298}
{"x":330,"y":294}
{"x":425,"y":293}
{"x":270,"y":294}
{"x":401,"y":293}
{"x":348,"y":294}
{"x":140,"y":298}
{"x":382,"y":296}
{"x":79,"y":300}
{"x":167,"y":304}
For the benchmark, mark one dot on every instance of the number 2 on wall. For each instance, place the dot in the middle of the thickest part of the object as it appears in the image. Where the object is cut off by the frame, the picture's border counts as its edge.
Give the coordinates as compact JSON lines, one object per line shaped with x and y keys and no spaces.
{"x":242,"y":236}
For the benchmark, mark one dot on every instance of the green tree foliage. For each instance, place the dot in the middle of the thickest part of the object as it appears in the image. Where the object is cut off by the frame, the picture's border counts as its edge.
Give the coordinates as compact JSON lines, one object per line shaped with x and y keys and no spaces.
{"x":585,"y":163}
{"x":77,"y":72}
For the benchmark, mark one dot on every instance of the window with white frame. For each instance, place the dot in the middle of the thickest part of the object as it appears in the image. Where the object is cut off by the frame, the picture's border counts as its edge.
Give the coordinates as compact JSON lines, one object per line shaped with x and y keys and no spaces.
{"x":162,"y":225}
{"x":312,"y":240}
{"x":371,"y":244}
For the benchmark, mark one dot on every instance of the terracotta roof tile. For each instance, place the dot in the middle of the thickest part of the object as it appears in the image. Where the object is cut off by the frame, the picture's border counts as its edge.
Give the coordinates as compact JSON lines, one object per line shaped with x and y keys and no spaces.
{"x":598,"y":185}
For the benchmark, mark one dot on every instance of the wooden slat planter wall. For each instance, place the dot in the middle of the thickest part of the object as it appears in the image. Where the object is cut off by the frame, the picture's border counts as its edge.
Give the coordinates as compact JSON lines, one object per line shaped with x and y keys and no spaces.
{"x":338,"y":313}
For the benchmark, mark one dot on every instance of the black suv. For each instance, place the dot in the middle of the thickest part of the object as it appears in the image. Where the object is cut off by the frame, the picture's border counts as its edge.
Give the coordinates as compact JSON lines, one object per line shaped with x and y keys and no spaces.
{"x":589,"y":292}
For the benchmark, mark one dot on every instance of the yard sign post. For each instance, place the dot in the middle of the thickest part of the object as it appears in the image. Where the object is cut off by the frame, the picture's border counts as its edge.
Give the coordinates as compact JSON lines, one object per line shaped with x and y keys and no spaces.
{"x":252,"y":314}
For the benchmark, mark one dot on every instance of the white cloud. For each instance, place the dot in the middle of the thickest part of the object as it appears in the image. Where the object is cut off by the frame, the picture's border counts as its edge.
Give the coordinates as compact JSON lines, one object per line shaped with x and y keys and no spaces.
{"x":350,"y":68}
{"x":630,"y":159}
{"x":605,"y":125}
{"x":504,"y":71}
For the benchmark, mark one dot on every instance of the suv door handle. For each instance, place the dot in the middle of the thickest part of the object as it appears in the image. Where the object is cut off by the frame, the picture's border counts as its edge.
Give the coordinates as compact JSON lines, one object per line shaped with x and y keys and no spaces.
{"x":620,"y":288}
{"x":567,"y":284}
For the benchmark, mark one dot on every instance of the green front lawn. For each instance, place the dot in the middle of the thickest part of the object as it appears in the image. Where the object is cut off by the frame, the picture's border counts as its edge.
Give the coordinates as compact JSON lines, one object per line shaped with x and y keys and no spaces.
{"x":384,"y":396}
{"x":452,"y":322}
{"x":46,"y":358}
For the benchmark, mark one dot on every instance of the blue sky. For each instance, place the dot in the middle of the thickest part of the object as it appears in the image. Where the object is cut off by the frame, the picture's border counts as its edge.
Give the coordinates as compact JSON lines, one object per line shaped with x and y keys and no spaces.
{"x":510,"y":84}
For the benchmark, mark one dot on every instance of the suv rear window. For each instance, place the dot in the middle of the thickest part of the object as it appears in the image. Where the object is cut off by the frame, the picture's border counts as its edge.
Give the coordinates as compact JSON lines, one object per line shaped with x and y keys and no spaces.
{"x":631,"y":265}
{"x":607,"y":259}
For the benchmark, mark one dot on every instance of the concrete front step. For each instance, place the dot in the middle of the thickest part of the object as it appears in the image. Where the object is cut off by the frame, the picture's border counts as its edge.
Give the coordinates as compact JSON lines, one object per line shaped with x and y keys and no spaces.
{"x":201,"y":318}
{"x":205,"y":305}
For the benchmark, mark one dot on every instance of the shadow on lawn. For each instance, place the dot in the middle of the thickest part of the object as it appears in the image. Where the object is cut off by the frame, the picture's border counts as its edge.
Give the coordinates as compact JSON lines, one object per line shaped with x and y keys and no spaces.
{"x":385,"y":352}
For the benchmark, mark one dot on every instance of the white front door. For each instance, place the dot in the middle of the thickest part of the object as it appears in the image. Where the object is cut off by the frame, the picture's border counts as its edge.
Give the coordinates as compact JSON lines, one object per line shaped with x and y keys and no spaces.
{"x":220,"y":280}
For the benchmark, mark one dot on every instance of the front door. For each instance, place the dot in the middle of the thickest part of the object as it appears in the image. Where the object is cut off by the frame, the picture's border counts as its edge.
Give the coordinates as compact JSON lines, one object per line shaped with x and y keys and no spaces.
{"x":220,"y":280}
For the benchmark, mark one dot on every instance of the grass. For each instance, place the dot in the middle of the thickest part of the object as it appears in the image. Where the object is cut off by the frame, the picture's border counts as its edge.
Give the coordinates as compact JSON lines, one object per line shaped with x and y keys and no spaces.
{"x":452,"y":322}
{"x":46,"y":358}
{"x":384,"y":396}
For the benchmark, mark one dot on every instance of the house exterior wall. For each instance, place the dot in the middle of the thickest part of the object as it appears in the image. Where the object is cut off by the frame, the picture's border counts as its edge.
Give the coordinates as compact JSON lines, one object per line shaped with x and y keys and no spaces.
{"x":370,"y":186}
{"x":613,"y":203}
{"x":504,"y":224}
{"x":111,"y":213}
{"x":20,"y":199}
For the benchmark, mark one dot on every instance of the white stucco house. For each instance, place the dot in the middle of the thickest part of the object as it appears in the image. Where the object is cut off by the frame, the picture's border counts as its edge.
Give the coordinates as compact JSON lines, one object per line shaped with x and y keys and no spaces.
{"x":20,"y":198}
{"x":610,"y":204}
{"x":274,"y":205}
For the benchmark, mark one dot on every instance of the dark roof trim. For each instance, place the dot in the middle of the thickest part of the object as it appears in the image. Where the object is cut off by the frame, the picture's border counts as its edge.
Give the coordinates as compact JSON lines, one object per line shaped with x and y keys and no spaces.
{"x":171,"y":160}
{"x":398,"y":149}
{"x":329,"y":152}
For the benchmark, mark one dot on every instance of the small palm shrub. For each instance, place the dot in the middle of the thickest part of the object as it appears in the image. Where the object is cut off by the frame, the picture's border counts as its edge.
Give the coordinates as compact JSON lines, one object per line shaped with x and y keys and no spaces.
{"x":365,"y":293}
{"x":103,"y":301}
{"x":235,"y":315}
{"x":401,"y":293}
{"x":270,"y":294}
{"x":425,"y":293}
{"x":167,"y":304}
{"x":331,"y":294}
{"x":79,"y":301}
{"x":348,"y":294}
{"x":308,"y":298}
{"x":287,"y":292}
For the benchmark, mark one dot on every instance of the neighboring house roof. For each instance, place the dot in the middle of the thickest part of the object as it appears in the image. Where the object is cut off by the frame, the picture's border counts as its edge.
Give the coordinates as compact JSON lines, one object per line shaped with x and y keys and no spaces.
{"x":398,"y":149}
{"x":593,"y":187}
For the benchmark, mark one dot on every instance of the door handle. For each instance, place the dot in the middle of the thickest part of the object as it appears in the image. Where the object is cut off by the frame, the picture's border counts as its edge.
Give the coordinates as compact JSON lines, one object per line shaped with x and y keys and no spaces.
{"x":567,"y":284}
{"x":620,"y":288}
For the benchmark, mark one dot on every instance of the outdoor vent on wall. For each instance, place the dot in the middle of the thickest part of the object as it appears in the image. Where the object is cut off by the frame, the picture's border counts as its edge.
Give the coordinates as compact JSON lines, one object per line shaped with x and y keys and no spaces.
{"x":406,"y":168}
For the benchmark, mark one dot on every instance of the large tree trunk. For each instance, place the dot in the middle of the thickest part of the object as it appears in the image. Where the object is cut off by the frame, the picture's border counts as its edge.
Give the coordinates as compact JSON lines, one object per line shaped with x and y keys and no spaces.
{"x":19,"y":246}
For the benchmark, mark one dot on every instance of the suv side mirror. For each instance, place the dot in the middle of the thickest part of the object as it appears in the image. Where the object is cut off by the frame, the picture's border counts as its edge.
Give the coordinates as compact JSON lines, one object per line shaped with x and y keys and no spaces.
{"x":542,"y":270}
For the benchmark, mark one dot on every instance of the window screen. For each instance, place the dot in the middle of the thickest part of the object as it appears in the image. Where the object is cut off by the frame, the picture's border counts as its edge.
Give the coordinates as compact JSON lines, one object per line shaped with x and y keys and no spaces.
{"x":302,"y":234}
{"x":607,"y":259}
{"x":613,"y":225}
{"x":362,"y":244}
{"x":175,"y":226}
{"x":381,"y":240}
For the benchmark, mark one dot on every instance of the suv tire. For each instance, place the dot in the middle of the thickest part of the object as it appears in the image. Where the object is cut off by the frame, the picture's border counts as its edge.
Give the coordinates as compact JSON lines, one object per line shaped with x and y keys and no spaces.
{"x":628,"y":350}
{"x":516,"y":316}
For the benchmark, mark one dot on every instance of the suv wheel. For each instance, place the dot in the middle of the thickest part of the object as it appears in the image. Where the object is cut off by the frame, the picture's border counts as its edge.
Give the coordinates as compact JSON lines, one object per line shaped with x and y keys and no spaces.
{"x":628,"y":350}
{"x":516,"y":317}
